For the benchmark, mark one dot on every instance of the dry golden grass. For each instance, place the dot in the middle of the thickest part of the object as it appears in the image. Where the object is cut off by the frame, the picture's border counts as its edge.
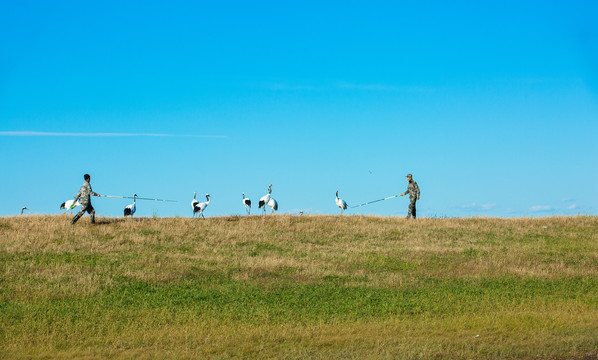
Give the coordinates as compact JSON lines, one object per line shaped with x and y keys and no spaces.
{"x":294,"y":287}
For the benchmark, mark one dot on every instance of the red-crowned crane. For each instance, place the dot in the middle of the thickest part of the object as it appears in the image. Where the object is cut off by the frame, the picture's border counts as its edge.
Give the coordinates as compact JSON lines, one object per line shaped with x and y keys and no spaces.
{"x":23,"y":209}
{"x":341,"y":203}
{"x":194,"y":204}
{"x":265,"y":200}
{"x":273,"y":204}
{"x":200,"y":207}
{"x":131,"y":208}
{"x":247,"y":204}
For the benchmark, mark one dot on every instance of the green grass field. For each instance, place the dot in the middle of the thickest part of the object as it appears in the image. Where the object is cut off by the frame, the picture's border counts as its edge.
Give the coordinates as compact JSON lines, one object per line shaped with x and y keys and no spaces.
{"x":299,"y":287}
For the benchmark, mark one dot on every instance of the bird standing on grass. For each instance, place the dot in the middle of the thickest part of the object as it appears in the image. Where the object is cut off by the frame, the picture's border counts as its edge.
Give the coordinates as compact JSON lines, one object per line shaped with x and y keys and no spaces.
{"x":268,"y":199}
{"x":194,"y":204}
{"x":131,"y":208}
{"x":341,"y":203}
{"x":264,"y":200}
{"x":199,"y":208}
{"x":273,"y":204}
{"x":247,"y":204}
{"x":23,"y":209}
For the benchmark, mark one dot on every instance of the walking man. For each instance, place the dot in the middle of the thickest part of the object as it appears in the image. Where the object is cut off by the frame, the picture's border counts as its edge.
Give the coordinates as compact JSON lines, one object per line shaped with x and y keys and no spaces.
{"x":84,"y":197}
{"x":413,"y":191}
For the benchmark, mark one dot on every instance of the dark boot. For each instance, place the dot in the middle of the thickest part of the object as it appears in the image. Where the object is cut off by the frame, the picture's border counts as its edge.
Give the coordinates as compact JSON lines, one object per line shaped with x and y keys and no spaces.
{"x":75,"y":219}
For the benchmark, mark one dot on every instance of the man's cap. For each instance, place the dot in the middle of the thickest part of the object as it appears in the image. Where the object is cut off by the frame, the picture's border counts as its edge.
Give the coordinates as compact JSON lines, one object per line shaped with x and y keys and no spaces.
{"x":409,"y":175}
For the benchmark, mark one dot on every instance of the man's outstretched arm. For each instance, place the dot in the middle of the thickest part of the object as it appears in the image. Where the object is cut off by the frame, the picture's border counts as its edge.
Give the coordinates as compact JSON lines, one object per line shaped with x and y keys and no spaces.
{"x":92,"y":193}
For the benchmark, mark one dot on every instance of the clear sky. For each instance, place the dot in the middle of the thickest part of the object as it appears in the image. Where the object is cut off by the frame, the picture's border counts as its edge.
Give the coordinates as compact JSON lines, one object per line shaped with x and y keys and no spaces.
{"x":493,"y":106}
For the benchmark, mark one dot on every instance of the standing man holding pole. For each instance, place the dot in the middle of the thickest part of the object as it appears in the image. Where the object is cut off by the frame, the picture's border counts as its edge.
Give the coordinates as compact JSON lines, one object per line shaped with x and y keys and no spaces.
{"x":84,"y":197}
{"x":413,"y":191}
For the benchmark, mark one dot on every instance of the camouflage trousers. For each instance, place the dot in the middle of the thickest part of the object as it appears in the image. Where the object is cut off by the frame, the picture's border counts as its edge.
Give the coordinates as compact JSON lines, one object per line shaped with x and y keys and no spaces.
{"x":89,"y":209}
{"x":411,"y":211}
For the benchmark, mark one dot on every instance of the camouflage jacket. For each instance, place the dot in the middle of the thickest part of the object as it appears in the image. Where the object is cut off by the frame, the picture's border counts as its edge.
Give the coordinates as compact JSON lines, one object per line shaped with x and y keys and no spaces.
{"x":84,"y":194}
{"x":412,"y":190}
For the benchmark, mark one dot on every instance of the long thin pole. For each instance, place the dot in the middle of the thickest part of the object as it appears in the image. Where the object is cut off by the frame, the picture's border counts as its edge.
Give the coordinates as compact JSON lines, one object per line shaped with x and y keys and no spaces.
{"x":371,"y":202}
{"x":138,"y":198}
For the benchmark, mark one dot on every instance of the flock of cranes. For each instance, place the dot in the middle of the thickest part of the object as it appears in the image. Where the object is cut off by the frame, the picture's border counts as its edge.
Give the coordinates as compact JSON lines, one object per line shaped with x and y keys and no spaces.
{"x":200,"y":207}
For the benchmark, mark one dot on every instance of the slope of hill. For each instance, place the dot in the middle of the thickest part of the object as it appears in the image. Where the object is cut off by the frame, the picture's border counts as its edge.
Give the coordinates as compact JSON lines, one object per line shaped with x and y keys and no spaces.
{"x":297,"y":287}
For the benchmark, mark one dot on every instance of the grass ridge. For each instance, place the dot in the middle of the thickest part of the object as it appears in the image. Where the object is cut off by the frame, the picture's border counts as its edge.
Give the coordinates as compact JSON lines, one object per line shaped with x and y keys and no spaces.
{"x":299,"y":287}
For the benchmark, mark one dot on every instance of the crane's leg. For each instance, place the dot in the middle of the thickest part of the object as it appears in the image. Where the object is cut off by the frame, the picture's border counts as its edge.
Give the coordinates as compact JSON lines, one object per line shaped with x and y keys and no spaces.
{"x":202,"y":215}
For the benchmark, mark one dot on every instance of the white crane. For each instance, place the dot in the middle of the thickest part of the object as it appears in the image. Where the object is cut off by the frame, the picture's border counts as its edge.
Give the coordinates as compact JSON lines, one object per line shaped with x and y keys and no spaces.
{"x":67,"y":205}
{"x":247,"y":204}
{"x":199,"y":208}
{"x":273,"y":204}
{"x":265,"y":200}
{"x":131,"y":208}
{"x":23,"y":209}
{"x":194,"y":203}
{"x":341,"y":203}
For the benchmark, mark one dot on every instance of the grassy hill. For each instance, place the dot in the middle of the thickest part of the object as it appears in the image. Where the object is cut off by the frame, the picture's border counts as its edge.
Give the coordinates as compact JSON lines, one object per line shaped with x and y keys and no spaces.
{"x":299,"y":287}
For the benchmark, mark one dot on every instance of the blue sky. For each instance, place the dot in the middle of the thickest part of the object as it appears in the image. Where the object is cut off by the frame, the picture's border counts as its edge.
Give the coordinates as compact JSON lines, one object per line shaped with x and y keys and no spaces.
{"x":493,"y":106}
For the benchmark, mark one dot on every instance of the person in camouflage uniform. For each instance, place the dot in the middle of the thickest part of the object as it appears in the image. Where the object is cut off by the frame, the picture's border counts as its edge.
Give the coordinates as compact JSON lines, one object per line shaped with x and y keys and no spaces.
{"x":84,"y":197}
{"x":413,"y":191}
